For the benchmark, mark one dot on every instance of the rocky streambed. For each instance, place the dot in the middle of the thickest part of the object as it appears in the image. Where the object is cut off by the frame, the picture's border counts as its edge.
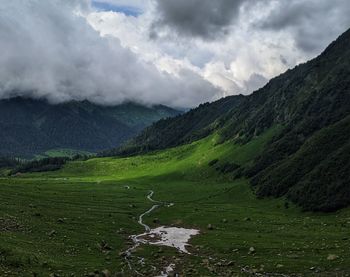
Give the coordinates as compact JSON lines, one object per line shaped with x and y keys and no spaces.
{"x":175,"y":237}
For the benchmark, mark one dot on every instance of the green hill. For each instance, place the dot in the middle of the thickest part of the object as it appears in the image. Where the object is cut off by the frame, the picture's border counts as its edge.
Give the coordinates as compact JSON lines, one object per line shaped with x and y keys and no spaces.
{"x":30,"y":127}
{"x":311,"y":98}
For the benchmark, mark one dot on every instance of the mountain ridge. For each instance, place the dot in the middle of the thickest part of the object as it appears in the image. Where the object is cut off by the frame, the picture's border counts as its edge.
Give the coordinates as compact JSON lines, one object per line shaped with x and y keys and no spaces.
{"x":305,"y":100}
{"x":32,"y":126}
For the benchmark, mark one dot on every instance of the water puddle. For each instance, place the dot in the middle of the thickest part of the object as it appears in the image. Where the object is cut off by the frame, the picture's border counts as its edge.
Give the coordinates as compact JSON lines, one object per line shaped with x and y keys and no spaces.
{"x":163,"y":236}
{"x":168,"y":236}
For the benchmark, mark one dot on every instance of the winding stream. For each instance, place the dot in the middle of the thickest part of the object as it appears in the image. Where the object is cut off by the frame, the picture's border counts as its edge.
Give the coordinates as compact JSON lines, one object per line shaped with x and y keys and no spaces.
{"x":163,"y":236}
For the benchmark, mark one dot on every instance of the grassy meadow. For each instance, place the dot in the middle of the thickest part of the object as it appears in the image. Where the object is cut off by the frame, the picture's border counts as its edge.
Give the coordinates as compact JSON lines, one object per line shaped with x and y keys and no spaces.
{"x":77,"y":221}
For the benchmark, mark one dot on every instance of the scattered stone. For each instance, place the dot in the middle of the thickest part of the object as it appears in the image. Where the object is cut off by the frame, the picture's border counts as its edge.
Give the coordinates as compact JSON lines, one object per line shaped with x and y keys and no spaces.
{"x":104,"y":246}
{"x":210,"y":227}
{"x":247,"y":219}
{"x":156,"y":220}
{"x":60,"y":220}
{"x":121,"y":231}
{"x":52,"y":233}
{"x":106,"y":273}
{"x":9,"y":224}
{"x":279,"y":266}
{"x":224,"y":220}
{"x":332,"y":257}
{"x":251,"y":250}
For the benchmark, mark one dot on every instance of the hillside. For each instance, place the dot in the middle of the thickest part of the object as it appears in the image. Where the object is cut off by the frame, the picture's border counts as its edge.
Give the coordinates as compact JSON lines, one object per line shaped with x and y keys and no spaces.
{"x":84,"y":217}
{"x":30,"y":127}
{"x":310,"y":103}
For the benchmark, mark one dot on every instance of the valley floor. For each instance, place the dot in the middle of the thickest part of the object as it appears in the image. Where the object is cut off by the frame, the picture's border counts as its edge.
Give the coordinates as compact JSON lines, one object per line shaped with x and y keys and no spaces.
{"x":79,"y":220}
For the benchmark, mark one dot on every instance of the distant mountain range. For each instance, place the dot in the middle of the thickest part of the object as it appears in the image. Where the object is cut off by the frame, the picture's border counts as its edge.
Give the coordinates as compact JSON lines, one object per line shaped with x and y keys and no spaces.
{"x":308,"y":161}
{"x":30,"y":127}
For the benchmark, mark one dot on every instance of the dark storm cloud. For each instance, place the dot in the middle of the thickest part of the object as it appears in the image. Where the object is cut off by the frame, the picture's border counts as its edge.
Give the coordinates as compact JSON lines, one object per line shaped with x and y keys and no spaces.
{"x":207,"y":19}
{"x":313,"y":23}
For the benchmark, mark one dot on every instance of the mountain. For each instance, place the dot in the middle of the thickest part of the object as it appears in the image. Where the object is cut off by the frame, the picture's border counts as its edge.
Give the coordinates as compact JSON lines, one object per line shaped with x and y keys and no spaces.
{"x":30,"y":127}
{"x":308,"y":160}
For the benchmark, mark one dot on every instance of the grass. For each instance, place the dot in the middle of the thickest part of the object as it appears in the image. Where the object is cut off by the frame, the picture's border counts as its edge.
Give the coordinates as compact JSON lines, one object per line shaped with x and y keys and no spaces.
{"x":56,"y":221}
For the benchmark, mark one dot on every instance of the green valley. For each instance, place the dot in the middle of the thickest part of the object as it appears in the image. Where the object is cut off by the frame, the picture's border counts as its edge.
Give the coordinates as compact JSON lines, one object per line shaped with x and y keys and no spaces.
{"x":102,"y":176}
{"x":78,"y":220}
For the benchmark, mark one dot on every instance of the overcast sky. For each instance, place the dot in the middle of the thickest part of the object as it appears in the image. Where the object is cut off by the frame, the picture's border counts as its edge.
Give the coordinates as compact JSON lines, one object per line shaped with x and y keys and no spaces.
{"x":174,"y":52}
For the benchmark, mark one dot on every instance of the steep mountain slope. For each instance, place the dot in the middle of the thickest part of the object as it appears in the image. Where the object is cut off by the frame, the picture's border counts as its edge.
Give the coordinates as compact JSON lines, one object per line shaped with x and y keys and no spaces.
{"x":29,"y":127}
{"x":310,"y":103}
{"x":182,"y":129}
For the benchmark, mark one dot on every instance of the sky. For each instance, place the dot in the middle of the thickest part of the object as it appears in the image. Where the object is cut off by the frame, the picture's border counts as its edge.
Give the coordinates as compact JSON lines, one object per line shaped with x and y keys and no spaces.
{"x":178,"y":53}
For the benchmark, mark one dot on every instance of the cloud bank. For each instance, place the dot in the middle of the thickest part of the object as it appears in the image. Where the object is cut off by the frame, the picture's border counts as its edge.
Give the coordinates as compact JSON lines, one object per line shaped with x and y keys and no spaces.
{"x":179,"y":53}
{"x":48,"y":50}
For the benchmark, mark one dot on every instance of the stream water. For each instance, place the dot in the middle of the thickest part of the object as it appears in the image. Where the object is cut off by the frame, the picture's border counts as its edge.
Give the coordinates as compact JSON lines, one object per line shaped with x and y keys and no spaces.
{"x":163,"y":236}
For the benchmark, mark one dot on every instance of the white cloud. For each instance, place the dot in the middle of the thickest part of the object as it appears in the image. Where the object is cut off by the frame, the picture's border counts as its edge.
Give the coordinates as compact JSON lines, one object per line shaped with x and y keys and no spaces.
{"x":231,"y":64}
{"x":49,"y":50}
{"x":64,"y":49}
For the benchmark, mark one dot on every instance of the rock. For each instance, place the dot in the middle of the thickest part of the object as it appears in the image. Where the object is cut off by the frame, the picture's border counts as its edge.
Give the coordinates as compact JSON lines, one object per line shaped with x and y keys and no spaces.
{"x":224,"y":220}
{"x":121,"y":231}
{"x":60,"y":220}
{"x":104,"y":246}
{"x":247,"y":219}
{"x":251,"y":250}
{"x":210,"y":227}
{"x":106,"y":273}
{"x":52,"y":233}
{"x":279,"y":266}
{"x":332,"y":257}
{"x":156,"y":220}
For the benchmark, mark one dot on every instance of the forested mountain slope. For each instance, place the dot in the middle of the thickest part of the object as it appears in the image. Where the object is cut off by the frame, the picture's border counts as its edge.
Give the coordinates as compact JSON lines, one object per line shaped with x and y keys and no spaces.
{"x":309,"y":159}
{"x":30,"y":127}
